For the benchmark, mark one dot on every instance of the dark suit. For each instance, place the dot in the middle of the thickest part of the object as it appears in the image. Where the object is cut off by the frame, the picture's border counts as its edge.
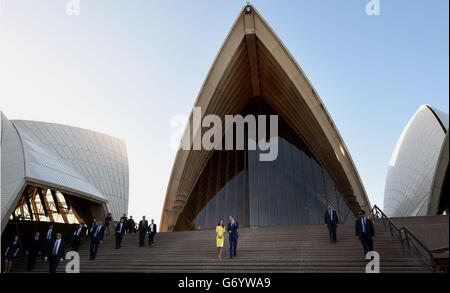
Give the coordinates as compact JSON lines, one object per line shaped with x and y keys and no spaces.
{"x":131,"y":227}
{"x":143,"y":228}
{"x":55,"y":255}
{"x":125,"y":222}
{"x":233,"y":237}
{"x":332,"y":220}
{"x":152,"y":230}
{"x":77,"y":236}
{"x":96,"y":237}
{"x":33,"y":252}
{"x":365,"y":233}
{"x":120,"y":230}
{"x":48,"y":238}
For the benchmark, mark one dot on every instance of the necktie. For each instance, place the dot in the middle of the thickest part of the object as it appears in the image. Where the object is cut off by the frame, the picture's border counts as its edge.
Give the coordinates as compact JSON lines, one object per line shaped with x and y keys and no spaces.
{"x":363,"y":225}
{"x":331,"y":215}
{"x":49,"y":234}
{"x":96,"y":231}
{"x":55,"y":249}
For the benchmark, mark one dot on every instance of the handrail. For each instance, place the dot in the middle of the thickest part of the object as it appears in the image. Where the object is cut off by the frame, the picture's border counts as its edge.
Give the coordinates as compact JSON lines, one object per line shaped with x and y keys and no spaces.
{"x":379,"y":214}
{"x":440,"y":249}
{"x":408,"y":237}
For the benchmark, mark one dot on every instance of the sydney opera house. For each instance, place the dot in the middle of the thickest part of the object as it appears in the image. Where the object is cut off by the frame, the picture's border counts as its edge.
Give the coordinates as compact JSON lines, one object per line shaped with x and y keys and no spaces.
{"x":52,"y":173}
{"x":254,"y":74}
{"x":416,"y":183}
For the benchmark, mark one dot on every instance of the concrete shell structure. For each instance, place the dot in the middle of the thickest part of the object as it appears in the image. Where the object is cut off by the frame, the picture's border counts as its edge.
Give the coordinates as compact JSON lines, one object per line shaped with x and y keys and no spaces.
{"x":253,"y":64}
{"x":83,"y":163}
{"x":418,"y":165}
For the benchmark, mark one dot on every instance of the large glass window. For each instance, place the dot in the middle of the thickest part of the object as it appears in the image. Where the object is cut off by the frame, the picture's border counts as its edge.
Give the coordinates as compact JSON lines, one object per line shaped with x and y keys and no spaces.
{"x":293,"y":189}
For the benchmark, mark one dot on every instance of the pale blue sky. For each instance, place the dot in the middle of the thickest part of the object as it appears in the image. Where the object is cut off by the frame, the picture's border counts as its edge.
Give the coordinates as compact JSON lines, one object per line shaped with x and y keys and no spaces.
{"x":126,"y":67}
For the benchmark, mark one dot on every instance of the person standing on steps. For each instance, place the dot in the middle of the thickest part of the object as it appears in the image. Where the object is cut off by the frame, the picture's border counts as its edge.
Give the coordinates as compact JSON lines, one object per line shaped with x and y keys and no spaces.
{"x":120,"y":230}
{"x":365,"y":230}
{"x":143,"y":228}
{"x":78,"y":236}
{"x":34,"y":249}
{"x":131,"y":227}
{"x":11,"y":253}
{"x":220,"y":237}
{"x":152,"y":230}
{"x":233,"y":236}
{"x":48,"y":239}
{"x":98,"y":233}
{"x":125,"y":222}
{"x":331,"y":220}
{"x":108,"y":221}
{"x":94,"y":224}
{"x":56,"y":253}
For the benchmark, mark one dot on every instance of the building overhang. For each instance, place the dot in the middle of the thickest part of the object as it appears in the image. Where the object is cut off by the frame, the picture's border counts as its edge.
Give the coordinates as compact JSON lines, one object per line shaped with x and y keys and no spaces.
{"x":253,"y":62}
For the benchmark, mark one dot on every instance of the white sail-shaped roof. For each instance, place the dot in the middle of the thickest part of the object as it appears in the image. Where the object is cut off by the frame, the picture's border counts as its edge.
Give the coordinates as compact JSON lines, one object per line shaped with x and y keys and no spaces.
{"x":79,"y":161}
{"x":412,"y":166}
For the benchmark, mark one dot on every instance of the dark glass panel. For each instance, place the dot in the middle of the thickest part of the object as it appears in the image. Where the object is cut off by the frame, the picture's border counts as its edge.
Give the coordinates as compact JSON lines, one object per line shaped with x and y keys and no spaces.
{"x":293,"y":189}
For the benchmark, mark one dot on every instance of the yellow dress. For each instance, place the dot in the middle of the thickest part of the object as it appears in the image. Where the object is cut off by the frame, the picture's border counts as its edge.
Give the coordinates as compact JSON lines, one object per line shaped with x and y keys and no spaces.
{"x":220,"y":232}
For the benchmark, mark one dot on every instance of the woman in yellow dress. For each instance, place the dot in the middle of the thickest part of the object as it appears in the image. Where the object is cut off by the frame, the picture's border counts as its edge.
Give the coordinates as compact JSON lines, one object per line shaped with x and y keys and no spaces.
{"x":220,"y":236}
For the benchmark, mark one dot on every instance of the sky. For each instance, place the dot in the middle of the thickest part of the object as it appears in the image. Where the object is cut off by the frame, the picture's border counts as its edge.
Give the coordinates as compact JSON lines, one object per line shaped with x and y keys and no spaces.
{"x":125,"y":68}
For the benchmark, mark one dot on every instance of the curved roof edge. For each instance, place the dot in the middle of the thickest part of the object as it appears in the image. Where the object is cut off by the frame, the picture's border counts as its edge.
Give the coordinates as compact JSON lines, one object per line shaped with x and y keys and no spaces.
{"x":277,"y":49}
{"x":441,"y":119}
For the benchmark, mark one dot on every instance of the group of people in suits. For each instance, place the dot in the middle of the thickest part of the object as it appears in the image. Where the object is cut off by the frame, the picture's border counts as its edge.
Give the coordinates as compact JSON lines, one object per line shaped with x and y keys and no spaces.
{"x":232,"y":229}
{"x":364,"y":228}
{"x":145,"y":228}
{"x":130,"y":225}
{"x":51,"y":247}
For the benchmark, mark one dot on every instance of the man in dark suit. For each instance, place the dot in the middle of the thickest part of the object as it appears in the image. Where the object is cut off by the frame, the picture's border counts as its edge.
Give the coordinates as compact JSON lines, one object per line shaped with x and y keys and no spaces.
{"x":56,"y":253}
{"x":143,"y":228}
{"x":125,"y":222}
{"x":78,"y":236}
{"x":48,"y":239}
{"x":331,"y":220}
{"x":120,"y":230}
{"x":94,"y":224}
{"x":34,"y":250}
{"x":151,"y":232}
{"x":365,"y":231}
{"x":233,"y":236}
{"x":96,"y":239}
{"x":131,"y":225}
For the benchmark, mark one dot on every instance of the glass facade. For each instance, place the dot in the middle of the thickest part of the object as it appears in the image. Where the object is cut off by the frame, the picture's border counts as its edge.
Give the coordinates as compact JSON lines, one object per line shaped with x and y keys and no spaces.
{"x":293,"y":189}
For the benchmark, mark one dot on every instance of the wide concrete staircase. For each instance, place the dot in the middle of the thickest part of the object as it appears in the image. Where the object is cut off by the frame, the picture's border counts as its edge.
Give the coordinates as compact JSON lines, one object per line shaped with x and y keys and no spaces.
{"x":303,"y":248}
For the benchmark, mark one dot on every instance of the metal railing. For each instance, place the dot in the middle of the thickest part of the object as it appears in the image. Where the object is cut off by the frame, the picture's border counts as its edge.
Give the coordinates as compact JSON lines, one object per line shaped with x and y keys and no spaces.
{"x":409,"y":239}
